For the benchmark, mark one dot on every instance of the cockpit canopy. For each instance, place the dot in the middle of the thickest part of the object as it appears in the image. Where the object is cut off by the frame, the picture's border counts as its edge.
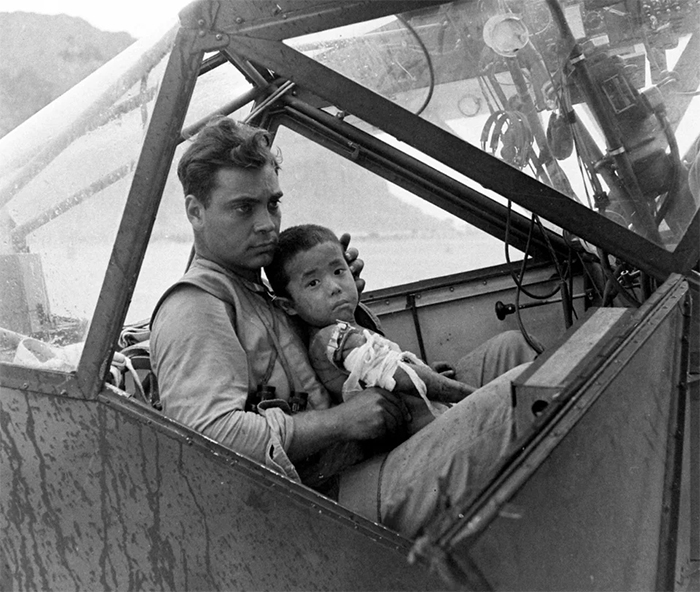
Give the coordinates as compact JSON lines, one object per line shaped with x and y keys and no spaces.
{"x":582,"y":114}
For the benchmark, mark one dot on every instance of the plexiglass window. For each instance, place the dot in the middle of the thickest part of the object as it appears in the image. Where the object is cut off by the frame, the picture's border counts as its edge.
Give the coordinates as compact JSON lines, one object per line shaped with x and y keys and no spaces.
{"x":597,"y":99}
{"x":62,"y":197}
{"x":401,"y":237}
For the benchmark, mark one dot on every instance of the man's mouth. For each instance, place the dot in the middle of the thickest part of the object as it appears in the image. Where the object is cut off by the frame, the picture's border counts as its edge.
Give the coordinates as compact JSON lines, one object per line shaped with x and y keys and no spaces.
{"x":266,"y":246}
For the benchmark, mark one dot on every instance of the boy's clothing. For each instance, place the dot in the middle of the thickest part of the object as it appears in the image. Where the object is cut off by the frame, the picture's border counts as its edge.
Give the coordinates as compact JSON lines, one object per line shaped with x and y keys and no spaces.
{"x":211,"y":345}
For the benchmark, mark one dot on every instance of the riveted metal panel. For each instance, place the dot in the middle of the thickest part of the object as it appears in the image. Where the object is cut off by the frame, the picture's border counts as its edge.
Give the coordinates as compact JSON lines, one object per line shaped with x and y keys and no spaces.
{"x":99,"y":494}
{"x":590,"y":506}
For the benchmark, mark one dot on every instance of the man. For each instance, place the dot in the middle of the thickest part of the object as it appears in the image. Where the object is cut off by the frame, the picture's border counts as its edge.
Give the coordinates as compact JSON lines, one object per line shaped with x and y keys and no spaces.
{"x":218,"y":343}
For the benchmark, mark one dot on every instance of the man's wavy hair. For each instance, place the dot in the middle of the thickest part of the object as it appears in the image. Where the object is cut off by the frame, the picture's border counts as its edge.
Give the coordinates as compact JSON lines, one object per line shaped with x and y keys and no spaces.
{"x":223,"y":143}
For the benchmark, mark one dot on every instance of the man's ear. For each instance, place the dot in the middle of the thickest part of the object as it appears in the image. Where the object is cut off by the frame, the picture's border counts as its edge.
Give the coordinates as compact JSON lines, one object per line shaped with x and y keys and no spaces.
{"x":195,"y":211}
{"x":286,"y":305}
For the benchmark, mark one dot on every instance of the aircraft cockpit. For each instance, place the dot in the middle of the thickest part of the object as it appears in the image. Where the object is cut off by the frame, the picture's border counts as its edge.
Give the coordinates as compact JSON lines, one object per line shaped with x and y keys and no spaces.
{"x":523,"y":164}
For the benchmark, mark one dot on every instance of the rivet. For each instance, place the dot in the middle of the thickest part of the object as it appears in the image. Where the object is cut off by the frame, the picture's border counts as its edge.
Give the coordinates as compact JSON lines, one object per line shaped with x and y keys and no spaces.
{"x":219,"y":36}
{"x":64,"y":393}
{"x":25,"y":386}
{"x":239,"y":20}
{"x":201,"y":22}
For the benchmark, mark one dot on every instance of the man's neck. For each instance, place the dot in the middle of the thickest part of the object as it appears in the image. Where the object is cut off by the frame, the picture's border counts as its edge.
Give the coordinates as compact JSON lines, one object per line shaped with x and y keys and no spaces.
{"x":254,"y":276}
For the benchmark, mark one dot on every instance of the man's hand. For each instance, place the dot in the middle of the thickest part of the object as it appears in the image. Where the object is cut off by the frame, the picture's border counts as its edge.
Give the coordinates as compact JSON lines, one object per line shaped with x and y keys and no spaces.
{"x":372,"y":413}
{"x":354,"y":262}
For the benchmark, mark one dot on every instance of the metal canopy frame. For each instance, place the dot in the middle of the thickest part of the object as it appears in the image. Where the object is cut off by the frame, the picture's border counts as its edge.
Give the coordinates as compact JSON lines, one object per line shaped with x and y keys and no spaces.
{"x":251,"y":31}
{"x":263,"y":45}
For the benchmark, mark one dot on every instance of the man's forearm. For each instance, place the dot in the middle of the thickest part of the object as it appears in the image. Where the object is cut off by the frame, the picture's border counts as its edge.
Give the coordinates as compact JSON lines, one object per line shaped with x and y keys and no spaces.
{"x":369,"y":414}
{"x":314,"y":431}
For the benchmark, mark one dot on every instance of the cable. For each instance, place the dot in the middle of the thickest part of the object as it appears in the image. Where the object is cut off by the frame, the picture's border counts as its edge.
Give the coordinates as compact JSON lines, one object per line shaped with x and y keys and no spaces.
{"x":613,"y":282}
{"x":518,"y":278}
{"x":428,"y":59}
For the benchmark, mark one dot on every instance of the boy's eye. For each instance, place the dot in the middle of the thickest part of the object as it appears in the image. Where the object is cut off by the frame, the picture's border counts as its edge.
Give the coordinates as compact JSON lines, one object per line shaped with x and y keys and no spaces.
{"x":312,"y":283}
{"x":340,"y":271}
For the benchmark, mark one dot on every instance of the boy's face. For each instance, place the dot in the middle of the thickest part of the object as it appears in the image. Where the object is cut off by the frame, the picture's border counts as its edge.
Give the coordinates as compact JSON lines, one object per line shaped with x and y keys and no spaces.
{"x":321,"y":286}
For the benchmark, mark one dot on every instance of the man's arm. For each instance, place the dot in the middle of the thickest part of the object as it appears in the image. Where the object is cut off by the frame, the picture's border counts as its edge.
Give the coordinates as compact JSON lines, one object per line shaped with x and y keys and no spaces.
{"x":371,"y":414}
{"x":202,"y":373}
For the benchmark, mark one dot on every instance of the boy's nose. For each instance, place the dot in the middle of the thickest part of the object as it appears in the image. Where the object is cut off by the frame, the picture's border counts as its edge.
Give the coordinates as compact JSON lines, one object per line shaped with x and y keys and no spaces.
{"x":333,"y":287}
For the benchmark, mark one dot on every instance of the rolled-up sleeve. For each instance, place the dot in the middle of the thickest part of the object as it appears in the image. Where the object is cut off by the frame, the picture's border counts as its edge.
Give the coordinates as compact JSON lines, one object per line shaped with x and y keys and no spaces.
{"x":202,"y":372}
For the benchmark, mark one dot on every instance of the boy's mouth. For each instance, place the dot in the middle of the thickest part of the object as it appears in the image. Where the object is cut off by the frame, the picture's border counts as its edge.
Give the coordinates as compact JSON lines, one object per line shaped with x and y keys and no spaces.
{"x":341,"y":304}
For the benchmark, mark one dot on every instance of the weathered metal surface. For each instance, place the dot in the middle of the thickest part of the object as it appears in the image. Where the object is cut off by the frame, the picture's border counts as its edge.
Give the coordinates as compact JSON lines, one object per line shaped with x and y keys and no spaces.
{"x":283,"y":19}
{"x":591,"y":511}
{"x":97,"y":496}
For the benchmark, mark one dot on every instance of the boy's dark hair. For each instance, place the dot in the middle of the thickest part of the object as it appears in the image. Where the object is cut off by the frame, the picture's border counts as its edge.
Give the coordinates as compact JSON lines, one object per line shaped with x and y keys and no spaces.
{"x":222,"y":143}
{"x":292,"y":241}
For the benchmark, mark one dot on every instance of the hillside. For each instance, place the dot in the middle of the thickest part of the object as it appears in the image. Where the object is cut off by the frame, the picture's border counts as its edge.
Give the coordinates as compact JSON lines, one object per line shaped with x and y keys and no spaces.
{"x":336,"y":195}
{"x":42,"y":56}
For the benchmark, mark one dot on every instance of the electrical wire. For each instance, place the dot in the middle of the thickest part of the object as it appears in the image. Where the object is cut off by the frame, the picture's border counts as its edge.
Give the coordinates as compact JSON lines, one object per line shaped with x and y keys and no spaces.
{"x":518,"y":278}
{"x":428,"y":59}
{"x":614,"y":282}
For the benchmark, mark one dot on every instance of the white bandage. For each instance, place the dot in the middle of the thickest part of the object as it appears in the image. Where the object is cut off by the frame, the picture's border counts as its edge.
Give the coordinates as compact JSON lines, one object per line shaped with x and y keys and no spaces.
{"x":375,"y":362}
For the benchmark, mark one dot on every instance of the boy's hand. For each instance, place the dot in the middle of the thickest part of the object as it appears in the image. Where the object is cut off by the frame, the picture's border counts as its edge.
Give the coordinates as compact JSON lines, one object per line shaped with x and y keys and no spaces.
{"x":354,"y":262}
{"x":444,"y":368}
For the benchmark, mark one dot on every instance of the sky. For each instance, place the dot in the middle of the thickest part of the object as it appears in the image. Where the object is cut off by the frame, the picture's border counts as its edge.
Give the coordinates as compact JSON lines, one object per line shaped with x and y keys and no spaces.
{"x":136,"y":17}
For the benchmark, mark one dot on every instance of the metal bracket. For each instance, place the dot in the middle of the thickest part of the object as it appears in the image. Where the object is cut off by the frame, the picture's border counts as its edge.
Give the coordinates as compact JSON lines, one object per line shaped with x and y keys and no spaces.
{"x":210,"y":40}
{"x":201,"y":16}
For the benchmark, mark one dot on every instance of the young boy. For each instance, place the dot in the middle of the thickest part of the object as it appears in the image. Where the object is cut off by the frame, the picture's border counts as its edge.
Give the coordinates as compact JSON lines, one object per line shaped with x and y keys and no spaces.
{"x":311,"y":279}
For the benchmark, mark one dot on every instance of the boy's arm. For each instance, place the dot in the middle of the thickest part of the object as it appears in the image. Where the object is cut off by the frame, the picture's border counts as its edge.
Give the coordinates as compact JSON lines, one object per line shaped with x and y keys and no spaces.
{"x":439,"y":388}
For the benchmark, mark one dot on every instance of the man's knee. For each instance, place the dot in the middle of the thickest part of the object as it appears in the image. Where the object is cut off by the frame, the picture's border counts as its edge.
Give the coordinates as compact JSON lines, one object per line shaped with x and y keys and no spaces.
{"x":513,"y":344}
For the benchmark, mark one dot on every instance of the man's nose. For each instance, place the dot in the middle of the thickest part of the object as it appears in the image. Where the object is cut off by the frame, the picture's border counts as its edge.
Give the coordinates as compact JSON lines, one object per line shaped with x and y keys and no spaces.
{"x":264,"y":222}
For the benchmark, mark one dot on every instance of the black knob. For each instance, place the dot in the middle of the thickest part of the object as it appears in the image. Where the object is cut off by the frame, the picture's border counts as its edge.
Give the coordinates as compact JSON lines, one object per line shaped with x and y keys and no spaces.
{"x":503,"y":310}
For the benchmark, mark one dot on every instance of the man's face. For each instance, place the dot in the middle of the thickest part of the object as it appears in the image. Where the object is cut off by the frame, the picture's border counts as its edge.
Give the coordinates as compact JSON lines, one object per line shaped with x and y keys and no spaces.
{"x":321,"y":286}
{"x":240,"y":226}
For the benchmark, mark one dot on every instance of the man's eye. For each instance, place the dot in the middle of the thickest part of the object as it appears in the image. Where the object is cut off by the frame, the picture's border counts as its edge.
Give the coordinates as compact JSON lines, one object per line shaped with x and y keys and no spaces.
{"x":244,"y":209}
{"x":312,"y":283}
{"x":340,"y":271}
{"x":274,"y":205}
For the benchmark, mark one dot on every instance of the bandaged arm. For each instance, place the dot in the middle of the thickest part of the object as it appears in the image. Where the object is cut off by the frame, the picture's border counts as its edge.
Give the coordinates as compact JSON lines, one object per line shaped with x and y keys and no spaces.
{"x":373,"y":360}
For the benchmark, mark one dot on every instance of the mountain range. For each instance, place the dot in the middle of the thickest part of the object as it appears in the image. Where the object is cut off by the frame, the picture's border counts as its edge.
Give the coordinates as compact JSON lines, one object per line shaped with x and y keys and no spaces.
{"x":42,"y":56}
